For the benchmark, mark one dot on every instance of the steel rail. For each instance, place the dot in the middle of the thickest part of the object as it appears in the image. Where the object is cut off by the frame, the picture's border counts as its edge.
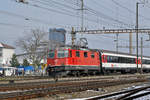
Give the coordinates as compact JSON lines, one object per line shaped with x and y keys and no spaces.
{"x":62,"y":88}
{"x":22,"y":78}
{"x":137,"y":96}
{"x":124,"y":97}
{"x":132,"y":93}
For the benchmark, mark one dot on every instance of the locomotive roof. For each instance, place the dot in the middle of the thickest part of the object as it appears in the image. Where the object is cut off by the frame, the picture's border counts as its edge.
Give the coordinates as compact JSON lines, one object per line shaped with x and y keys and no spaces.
{"x":101,"y":50}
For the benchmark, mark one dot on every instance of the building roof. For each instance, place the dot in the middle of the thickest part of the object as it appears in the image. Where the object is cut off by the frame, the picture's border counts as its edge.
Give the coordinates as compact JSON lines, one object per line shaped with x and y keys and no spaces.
{"x":2,"y":45}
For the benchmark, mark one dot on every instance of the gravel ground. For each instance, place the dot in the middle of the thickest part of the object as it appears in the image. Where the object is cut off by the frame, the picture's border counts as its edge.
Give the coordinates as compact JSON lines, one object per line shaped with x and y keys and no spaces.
{"x":88,"y":93}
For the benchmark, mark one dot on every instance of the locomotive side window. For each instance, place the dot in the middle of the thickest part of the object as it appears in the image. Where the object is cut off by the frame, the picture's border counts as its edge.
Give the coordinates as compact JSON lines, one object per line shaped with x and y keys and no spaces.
{"x":77,"y":54}
{"x":85,"y":54}
{"x":62,"y":53}
{"x":92,"y":55}
{"x":51,"y":54}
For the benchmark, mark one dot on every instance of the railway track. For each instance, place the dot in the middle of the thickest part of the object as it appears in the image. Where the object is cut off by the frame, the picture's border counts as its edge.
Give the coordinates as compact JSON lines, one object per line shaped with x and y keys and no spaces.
{"x":20,"y":78}
{"x":34,"y":91}
{"x":15,"y":86}
{"x":124,"y":95}
{"x":24,"y":79}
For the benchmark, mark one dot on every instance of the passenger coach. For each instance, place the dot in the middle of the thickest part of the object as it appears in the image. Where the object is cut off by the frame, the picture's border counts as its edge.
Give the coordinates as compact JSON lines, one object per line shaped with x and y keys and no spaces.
{"x":123,"y":62}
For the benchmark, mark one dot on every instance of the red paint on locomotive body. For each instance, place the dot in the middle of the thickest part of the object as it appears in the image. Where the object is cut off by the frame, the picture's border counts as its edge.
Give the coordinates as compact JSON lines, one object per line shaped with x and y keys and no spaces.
{"x":85,"y":58}
{"x":73,"y":57}
{"x":104,"y":58}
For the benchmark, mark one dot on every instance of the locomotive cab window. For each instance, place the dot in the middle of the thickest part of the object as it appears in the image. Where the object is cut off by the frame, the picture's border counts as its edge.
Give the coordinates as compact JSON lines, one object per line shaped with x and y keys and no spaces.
{"x":85,"y":54}
{"x":51,"y":54}
{"x":77,"y":54}
{"x":62,"y":53}
{"x":92,"y":55}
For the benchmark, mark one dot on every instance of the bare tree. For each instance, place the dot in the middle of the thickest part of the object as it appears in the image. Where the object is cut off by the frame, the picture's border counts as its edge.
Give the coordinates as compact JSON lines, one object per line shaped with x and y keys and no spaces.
{"x":31,"y":44}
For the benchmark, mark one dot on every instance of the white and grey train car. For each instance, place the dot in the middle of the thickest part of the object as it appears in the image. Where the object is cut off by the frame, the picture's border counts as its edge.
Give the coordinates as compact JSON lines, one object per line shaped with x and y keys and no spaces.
{"x":123,"y":62}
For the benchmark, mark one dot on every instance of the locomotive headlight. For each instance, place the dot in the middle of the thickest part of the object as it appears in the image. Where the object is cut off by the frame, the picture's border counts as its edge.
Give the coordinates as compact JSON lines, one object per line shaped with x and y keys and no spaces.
{"x":55,"y":60}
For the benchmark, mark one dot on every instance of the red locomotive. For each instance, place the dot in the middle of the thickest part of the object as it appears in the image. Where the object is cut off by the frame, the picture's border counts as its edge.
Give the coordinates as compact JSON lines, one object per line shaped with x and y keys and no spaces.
{"x":74,"y":61}
{"x":77,"y":61}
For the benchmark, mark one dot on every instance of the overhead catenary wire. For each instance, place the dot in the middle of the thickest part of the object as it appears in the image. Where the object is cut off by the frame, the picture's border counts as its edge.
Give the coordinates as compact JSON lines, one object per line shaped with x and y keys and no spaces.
{"x":95,"y":21}
{"x":28,"y":18}
{"x":129,"y":10}
{"x":91,"y":20}
{"x":61,"y":4}
{"x":108,"y":17}
{"x":63,"y":10}
{"x":124,"y":24}
{"x":93,"y":11}
{"x":105,"y":7}
{"x":68,"y":14}
{"x":13,"y":25}
{"x":104,"y":16}
{"x":36,"y":6}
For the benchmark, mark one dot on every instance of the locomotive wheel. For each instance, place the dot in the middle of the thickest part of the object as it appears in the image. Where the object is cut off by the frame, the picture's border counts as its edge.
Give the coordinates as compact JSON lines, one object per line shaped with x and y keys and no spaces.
{"x":55,"y":78}
{"x":77,"y":74}
{"x":74,"y":73}
{"x":94,"y":73}
{"x":123,"y":72}
{"x":104,"y":72}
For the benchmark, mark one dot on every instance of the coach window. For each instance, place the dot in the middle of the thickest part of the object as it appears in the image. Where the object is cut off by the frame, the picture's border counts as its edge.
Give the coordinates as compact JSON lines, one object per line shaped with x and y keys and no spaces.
{"x":147,"y":61}
{"x":115,"y":59}
{"x":85,"y":54}
{"x":131,"y":60}
{"x":92,"y":55}
{"x":120,"y":59}
{"x":127,"y":60}
{"x":143,"y":61}
{"x":77,"y":54}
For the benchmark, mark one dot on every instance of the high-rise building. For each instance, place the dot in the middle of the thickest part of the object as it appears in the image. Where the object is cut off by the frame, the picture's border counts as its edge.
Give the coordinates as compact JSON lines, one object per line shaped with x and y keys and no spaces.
{"x":57,"y":37}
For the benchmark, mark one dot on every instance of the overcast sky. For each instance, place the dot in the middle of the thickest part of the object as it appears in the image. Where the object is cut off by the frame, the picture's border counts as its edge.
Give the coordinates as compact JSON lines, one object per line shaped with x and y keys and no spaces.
{"x":16,"y":18}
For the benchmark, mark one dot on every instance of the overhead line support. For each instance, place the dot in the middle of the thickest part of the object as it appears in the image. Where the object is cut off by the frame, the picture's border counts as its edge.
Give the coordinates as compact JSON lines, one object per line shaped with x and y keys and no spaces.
{"x":137,"y":4}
